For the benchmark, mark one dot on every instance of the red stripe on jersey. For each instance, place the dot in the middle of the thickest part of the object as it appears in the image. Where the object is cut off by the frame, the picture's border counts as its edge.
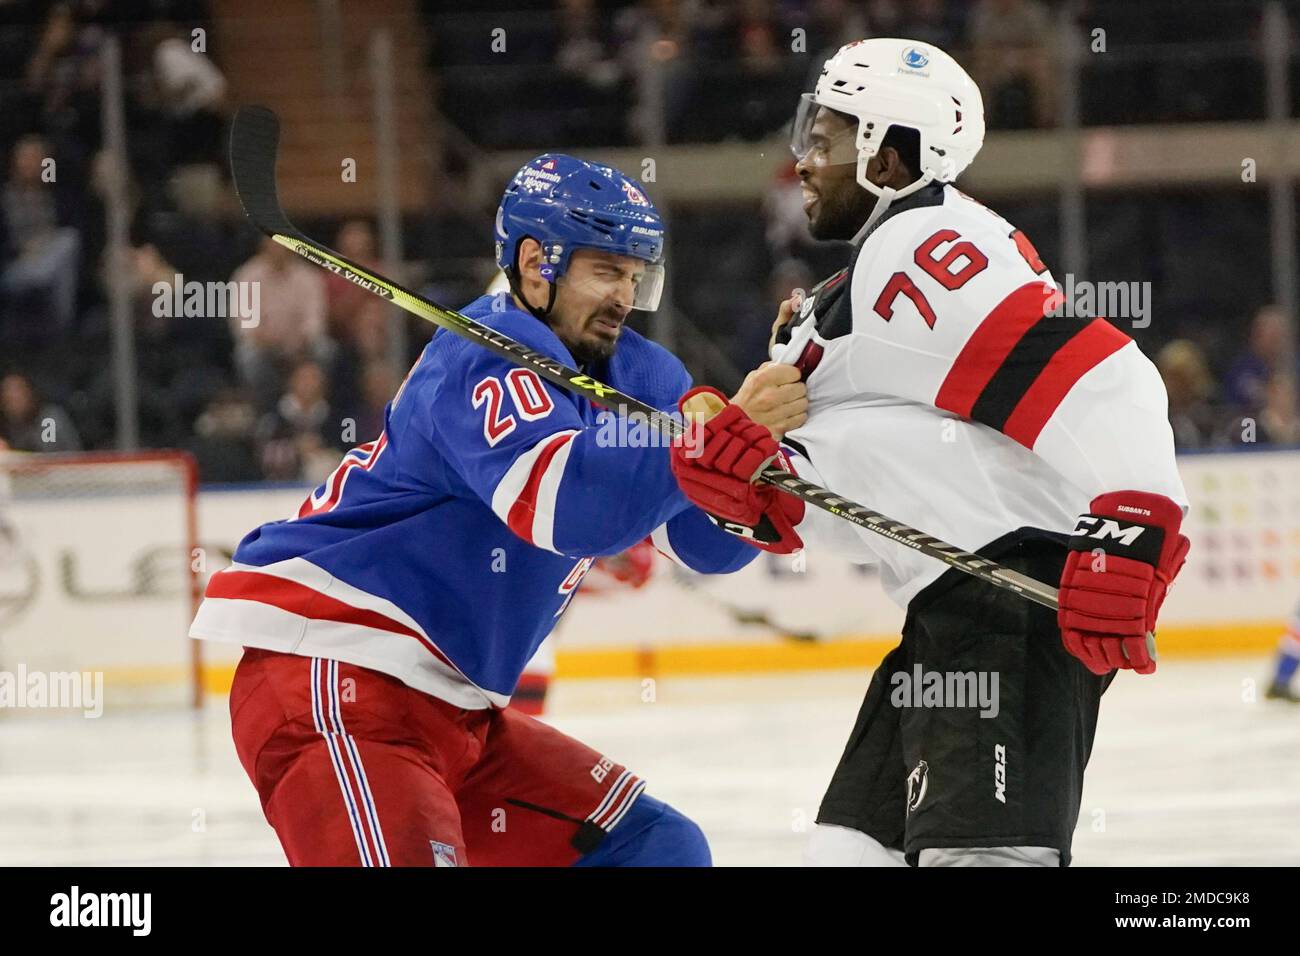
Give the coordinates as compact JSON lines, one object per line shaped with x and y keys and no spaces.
{"x":1098,"y":340}
{"x":301,"y":600}
{"x":989,"y":346}
{"x":809,"y":359}
{"x":370,"y":454}
{"x":522,"y":511}
{"x":335,"y":482}
{"x":626,"y":787}
{"x":834,"y":281}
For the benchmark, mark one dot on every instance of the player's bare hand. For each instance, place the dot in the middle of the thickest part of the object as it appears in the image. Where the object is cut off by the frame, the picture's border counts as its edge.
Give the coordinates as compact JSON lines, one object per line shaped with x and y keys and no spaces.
{"x":788,"y":310}
{"x":774,"y":396}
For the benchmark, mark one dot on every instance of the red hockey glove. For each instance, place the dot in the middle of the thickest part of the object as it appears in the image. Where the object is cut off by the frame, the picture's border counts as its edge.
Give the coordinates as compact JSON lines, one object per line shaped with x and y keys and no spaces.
{"x":1123,"y":557}
{"x":716,"y":471}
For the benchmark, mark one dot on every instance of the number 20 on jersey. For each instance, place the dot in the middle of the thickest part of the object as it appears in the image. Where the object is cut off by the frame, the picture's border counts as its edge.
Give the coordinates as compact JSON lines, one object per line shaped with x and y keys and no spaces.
{"x":527,"y":394}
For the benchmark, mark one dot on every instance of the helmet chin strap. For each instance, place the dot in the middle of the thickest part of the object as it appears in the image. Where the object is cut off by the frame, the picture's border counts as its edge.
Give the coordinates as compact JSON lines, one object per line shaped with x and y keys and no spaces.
{"x":512,"y":277}
{"x":883,"y":200}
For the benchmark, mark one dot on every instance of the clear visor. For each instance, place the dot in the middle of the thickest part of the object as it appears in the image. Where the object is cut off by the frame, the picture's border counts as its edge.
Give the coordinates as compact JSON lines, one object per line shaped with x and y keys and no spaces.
{"x":637,"y":288}
{"x":815,"y":147}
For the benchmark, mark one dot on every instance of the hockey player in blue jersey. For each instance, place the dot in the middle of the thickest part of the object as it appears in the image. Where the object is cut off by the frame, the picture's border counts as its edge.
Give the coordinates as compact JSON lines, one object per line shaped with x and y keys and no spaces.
{"x":387,"y":622}
{"x":1286,"y":663}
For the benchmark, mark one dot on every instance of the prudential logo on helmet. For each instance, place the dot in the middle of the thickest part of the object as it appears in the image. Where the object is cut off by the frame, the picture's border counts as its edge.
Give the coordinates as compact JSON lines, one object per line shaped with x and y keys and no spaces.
{"x":915,"y":58}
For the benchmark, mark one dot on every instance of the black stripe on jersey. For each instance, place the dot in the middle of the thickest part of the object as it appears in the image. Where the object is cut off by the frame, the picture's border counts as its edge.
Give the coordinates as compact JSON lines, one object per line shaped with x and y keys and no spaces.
{"x":833,"y":308}
{"x":1022,"y":367}
{"x":797,"y":446}
{"x":821,"y":299}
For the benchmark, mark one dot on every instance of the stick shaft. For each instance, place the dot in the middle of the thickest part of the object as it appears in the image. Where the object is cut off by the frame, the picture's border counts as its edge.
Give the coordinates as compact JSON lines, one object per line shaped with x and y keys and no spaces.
{"x":254,"y":141}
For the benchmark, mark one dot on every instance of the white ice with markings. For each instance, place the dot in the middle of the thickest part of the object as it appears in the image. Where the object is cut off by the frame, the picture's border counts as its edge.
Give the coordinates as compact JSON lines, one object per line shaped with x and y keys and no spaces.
{"x":1186,"y":770}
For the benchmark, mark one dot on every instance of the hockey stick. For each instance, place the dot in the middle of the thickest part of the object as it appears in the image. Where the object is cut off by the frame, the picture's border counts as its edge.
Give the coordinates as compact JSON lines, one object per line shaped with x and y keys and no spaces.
{"x":254,"y":141}
{"x":740,"y":615}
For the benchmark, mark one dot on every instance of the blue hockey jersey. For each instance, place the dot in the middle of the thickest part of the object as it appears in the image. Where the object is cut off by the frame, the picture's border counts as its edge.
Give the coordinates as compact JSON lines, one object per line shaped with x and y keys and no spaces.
{"x":445,"y":550}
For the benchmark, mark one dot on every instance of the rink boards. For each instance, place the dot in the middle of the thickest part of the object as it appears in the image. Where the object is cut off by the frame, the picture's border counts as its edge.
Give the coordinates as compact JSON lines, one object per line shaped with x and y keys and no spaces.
{"x":81,"y":595}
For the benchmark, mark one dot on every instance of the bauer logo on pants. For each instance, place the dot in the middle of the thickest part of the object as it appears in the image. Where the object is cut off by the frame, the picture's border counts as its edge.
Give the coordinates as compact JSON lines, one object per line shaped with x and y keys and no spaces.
{"x":917,"y":781}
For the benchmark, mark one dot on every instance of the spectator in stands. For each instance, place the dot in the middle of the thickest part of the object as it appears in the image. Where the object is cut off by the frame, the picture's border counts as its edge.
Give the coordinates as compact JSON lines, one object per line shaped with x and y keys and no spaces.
{"x":63,"y":75}
{"x":581,"y":51}
{"x":786,"y":229}
{"x":192,"y":93}
{"x":1279,"y":421}
{"x":1246,"y":384}
{"x":379,"y":384}
{"x":1187,"y":379}
{"x":885,"y":17}
{"x":40,"y":247}
{"x":767,"y":77}
{"x":290,"y":325}
{"x":786,"y":276}
{"x":758,"y":36}
{"x":28,"y":424}
{"x":57,"y":37}
{"x":370,"y":336}
{"x":344,"y":299}
{"x":301,"y":439}
{"x":927,"y":21}
{"x":787,"y":226}
{"x":1011,"y":43}
{"x":174,"y":377}
{"x":224,"y":445}
{"x":831,"y":24}
{"x":654,"y":39}
{"x":19,"y":36}
{"x":589,"y":104}
{"x":363,"y":339}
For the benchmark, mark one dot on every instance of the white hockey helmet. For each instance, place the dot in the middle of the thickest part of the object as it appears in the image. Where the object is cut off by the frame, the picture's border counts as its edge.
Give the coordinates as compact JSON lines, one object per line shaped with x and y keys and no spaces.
{"x":888,"y":82}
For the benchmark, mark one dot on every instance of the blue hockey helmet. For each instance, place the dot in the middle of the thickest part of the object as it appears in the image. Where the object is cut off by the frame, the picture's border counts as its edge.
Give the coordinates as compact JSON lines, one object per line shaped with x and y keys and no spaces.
{"x":567,"y":203}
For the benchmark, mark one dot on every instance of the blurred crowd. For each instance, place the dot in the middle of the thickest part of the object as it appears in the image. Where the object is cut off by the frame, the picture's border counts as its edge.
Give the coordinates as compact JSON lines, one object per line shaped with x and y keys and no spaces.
{"x":721,"y":70}
{"x":587,"y":72}
{"x":279,"y":400}
{"x":275,"y":400}
{"x":1253,"y":401}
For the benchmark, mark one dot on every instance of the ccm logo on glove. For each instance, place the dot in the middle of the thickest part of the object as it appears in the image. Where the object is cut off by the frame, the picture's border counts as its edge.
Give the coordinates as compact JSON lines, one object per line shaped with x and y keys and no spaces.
{"x":1109,"y":602}
{"x":1106,"y":530}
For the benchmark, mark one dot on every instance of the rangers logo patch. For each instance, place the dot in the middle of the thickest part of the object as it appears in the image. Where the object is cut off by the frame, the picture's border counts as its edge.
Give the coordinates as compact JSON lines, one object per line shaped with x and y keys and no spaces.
{"x":444,"y":854}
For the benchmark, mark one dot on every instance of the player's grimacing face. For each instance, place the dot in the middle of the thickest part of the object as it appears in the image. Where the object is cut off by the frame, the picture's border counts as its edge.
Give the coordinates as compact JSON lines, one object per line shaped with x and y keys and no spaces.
{"x":836,"y":206}
{"x":592,"y":300}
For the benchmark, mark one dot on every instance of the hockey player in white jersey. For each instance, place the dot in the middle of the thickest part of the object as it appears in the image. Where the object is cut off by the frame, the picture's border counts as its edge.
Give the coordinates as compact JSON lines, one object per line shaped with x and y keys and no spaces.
{"x":945,"y":393}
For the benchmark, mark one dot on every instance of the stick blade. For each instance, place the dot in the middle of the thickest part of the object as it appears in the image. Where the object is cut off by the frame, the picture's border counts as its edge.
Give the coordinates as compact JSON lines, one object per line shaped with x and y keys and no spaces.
{"x":254,"y":143}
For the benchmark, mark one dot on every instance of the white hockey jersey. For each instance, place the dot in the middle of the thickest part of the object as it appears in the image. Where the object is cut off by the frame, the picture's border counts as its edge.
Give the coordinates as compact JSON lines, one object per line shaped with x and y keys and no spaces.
{"x":944,"y":394}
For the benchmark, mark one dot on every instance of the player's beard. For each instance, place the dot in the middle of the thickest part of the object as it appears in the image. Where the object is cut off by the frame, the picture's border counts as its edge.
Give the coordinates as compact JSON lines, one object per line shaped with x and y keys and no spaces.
{"x":594,"y":346}
{"x":841,"y":212}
